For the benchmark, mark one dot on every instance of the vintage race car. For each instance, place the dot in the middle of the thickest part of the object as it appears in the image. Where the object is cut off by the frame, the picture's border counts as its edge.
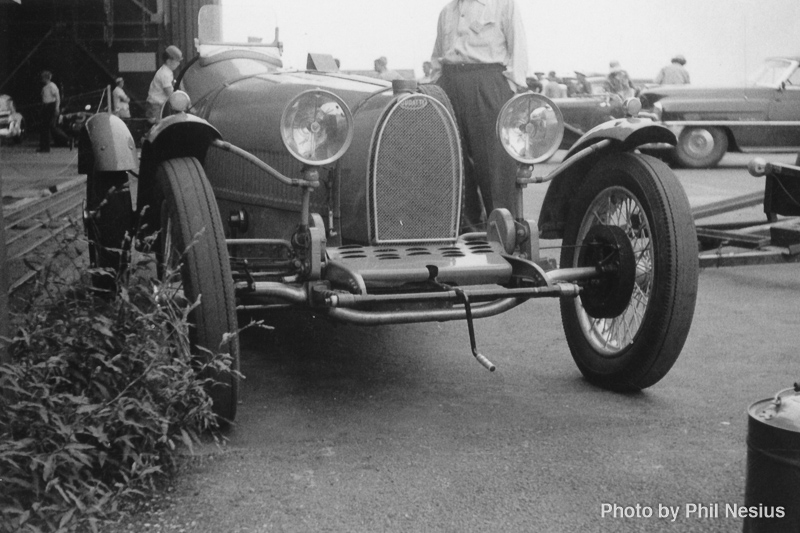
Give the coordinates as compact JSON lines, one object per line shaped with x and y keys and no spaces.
{"x":591,"y":106}
{"x":12,"y":125}
{"x":341,"y":195}
{"x":763,"y":117}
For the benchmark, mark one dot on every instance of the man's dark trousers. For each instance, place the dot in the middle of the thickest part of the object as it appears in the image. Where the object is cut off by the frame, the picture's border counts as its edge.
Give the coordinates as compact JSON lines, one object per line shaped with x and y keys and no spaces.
{"x":478,"y":92}
{"x":48,"y":123}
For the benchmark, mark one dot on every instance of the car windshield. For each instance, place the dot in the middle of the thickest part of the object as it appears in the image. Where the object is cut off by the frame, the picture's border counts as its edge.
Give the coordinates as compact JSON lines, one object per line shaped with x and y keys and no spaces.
{"x":773,"y":72}
{"x":238,"y":24}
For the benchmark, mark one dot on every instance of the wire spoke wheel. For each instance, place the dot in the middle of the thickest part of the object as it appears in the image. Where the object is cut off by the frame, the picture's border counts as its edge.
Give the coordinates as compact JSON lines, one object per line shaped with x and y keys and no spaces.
{"x":639,"y":204}
{"x":618,"y":207}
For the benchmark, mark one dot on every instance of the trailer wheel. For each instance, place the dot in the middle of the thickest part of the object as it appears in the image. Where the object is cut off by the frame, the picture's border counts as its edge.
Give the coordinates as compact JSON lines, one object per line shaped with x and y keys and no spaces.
{"x":639,"y":197}
{"x":700,"y":147}
{"x":193,"y":243}
{"x":107,"y":221}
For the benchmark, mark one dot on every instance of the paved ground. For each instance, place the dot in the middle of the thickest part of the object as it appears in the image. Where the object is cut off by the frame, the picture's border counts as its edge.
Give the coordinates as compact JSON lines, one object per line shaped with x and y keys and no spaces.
{"x":348,"y":429}
{"x":26,"y":173}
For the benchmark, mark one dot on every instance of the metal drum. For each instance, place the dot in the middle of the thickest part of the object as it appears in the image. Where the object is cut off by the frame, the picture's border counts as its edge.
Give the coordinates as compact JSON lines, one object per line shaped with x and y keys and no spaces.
{"x":772,"y":491}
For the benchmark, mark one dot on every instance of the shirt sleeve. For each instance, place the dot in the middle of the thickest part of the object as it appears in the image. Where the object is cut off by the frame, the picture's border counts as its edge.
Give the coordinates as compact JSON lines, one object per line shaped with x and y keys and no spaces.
{"x":438,"y":49}
{"x":517,"y":45}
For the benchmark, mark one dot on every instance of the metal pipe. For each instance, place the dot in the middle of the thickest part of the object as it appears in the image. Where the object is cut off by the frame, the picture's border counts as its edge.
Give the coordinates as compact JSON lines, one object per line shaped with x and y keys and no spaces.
{"x":280,"y":242}
{"x":228,"y":147}
{"x":373,"y":318}
{"x":260,"y":289}
{"x":572,"y":274}
{"x":479,"y":295}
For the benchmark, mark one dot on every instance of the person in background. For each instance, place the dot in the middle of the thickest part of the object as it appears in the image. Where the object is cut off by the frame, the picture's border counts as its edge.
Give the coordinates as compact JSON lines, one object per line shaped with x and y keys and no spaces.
{"x":674,"y":74}
{"x":161,"y":88}
{"x":383,"y":72}
{"x":618,"y":82}
{"x":480,"y":59}
{"x":121,"y":101}
{"x":51,"y":109}
{"x":534,"y":84}
{"x":580,"y":87}
{"x":426,"y":72}
{"x":554,"y":88}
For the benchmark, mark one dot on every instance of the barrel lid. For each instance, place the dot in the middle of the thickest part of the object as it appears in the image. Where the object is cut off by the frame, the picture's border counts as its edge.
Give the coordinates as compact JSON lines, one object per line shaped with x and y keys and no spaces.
{"x":780,"y":411}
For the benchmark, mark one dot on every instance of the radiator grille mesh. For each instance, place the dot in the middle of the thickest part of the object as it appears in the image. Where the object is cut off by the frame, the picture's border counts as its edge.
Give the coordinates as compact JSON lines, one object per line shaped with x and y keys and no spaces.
{"x":415,"y":174}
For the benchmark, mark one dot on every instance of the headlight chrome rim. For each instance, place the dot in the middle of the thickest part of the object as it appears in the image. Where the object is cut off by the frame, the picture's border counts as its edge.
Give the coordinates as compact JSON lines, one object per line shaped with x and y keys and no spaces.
{"x":180,"y":101}
{"x":530,"y":127}
{"x":315,"y":108}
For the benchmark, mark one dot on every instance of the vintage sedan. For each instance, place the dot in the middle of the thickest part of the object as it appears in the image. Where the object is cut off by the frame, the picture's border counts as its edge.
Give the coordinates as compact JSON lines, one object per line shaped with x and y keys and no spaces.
{"x":341,"y":195}
{"x":12,"y":124}
{"x":763,"y":117}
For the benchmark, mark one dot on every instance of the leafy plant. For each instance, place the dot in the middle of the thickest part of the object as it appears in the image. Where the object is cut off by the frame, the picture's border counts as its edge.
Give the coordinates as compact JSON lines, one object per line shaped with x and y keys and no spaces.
{"x":99,"y":396}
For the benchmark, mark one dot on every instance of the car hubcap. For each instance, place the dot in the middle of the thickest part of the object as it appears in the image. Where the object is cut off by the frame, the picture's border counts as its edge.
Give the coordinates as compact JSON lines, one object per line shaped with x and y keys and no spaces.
{"x":700,"y":143}
{"x":617,"y":206}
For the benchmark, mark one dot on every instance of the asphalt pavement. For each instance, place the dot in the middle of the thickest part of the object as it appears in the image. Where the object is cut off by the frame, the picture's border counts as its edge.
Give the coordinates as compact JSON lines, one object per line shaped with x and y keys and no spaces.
{"x":27,"y":175}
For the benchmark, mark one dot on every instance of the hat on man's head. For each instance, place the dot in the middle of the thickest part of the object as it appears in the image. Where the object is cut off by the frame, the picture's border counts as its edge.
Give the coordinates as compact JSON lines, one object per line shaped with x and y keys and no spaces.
{"x":382,"y":61}
{"x":679,"y":59}
{"x":174,"y":52}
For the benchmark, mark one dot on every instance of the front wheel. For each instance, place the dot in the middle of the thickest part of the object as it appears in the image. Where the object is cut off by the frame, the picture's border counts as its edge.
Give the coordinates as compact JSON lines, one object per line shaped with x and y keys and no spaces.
{"x":192,"y":242}
{"x":701,"y":147}
{"x":632,"y":217}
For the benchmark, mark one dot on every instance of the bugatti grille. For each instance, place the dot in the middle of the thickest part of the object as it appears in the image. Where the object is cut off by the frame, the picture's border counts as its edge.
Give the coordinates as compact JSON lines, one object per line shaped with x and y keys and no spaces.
{"x":415,"y":174}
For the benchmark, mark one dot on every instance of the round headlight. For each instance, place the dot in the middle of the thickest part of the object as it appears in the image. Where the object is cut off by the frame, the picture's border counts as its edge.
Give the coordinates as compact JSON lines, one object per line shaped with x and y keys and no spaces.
{"x":317,"y":127}
{"x":530,"y":127}
{"x":179,"y":101}
{"x":633,"y":106}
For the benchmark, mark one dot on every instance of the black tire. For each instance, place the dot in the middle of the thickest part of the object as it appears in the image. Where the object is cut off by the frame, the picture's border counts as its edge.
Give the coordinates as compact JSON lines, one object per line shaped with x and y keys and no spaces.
{"x":701,"y":147}
{"x":108,"y":225}
{"x":192,"y":237}
{"x":637,"y":348}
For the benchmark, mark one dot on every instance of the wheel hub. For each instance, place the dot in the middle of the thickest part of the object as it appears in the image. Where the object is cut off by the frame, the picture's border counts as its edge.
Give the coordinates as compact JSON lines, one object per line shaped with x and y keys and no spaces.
{"x":609,"y":248}
{"x":700,"y":143}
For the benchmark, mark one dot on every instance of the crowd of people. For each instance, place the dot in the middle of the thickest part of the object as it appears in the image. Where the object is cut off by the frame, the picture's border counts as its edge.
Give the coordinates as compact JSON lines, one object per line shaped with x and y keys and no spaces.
{"x":617,"y":81}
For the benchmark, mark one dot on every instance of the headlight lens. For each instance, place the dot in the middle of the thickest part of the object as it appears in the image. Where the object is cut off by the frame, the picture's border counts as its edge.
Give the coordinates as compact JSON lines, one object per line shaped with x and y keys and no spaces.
{"x":530,"y":127}
{"x":317,"y":127}
{"x":633,"y":106}
{"x":179,"y":101}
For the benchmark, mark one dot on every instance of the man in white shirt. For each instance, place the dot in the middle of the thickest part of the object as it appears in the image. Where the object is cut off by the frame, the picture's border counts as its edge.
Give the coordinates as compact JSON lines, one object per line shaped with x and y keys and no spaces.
{"x":121,"y":100}
{"x":51,"y":109}
{"x":480,"y":59}
{"x":161,"y":88}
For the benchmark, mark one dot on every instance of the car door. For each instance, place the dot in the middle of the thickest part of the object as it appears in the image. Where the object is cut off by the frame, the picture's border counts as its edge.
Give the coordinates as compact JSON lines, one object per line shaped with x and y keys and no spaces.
{"x":785,"y":107}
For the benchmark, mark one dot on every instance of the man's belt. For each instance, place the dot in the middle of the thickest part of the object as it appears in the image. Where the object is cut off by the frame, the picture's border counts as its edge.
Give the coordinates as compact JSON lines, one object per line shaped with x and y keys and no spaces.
{"x":469,"y":67}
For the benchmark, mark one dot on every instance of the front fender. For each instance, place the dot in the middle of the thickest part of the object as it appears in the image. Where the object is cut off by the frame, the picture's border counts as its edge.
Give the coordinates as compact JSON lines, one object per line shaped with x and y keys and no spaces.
{"x":625,"y":135}
{"x":628,"y":133}
{"x":179,"y":135}
{"x":106,"y":145}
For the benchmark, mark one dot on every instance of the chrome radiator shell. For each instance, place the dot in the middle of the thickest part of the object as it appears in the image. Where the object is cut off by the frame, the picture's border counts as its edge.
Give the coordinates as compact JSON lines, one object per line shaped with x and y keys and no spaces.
{"x":415,"y":175}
